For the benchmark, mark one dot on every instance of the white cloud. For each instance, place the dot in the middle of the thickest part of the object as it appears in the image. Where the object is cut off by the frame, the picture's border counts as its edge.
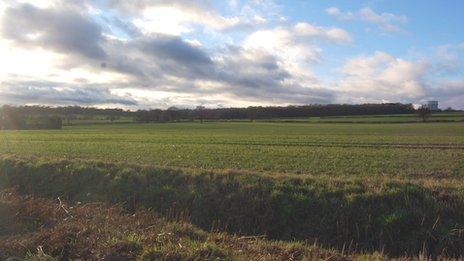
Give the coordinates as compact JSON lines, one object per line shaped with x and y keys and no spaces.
{"x":178,"y":17}
{"x":259,"y":19}
{"x":31,"y":62}
{"x":451,"y":93}
{"x":385,"y":21}
{"x":37,"y":3}
{"x":333,"y":11}
{"x":168,"y":59}
{"x":37,"y":64}
{"x":260,"y":12}
{"x":306,"y":30}
{"x":233,"y":3}
{"x":382,"y":78}
{"x":295,"y":43}
{"x":448,"y":58}
{"x":177,"y":20}
{"x":295,"y":49}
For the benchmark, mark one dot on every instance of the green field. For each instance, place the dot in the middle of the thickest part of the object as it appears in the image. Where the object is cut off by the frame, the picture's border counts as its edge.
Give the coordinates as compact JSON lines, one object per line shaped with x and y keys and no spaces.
{"x":97,"y":119}
{"x":394,"y":118}
{"x":393,"y":188}
{"x":334,"y":149}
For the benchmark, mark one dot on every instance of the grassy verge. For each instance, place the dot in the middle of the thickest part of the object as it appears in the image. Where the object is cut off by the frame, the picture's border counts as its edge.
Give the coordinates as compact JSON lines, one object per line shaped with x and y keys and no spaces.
{"x":396,"y":216}
{"x":41,"y":229}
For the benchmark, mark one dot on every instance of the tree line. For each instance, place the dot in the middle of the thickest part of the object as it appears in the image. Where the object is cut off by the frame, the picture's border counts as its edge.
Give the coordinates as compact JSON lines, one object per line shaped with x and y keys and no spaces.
{"x":15,"y":118}
{"x":45,"y":117}
{"x":254,"y":112}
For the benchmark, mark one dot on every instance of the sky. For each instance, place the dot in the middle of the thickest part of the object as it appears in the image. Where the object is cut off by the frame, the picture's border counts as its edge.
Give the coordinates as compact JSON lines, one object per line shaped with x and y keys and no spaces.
{"x":144,"y":54}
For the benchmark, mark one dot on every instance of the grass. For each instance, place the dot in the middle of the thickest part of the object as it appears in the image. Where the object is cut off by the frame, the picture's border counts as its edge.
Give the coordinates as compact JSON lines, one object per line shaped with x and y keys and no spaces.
{"x":395,"y":118}
{"x":44,"y":229}
{"x":99,"y":119}
{"x":330,"y":149}
{"x":392,"y":215}
{"x":386,"y":118}
{"x":395,"y":188}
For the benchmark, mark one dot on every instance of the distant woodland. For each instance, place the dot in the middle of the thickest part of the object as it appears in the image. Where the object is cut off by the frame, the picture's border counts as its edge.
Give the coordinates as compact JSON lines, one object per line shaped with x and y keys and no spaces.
{"x":43,"y":117}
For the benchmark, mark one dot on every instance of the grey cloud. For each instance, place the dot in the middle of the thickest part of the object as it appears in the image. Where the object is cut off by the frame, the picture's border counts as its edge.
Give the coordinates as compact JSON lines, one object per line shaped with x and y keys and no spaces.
{"x":125,"y":26}
{"x":58,"y":93}
{"x":156,"y":62}
{"x":150,"y":60}
{"x":63,"y":30}
{"x":175,"y":49}
{"x":249,"y":76}
{"x":135,"y":6}
{"x":260,"y":72}
{"x":448,"y":93}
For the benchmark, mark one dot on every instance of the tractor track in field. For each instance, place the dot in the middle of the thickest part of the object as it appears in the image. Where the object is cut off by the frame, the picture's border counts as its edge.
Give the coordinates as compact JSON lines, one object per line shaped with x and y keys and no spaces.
{"x":439,"y":146}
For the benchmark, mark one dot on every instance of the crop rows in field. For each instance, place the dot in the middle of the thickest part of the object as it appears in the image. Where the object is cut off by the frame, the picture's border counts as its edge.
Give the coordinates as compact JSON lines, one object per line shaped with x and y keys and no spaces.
{"x":397,"y":118}
{"x":395,"y":188}
{"x":367,"y":149}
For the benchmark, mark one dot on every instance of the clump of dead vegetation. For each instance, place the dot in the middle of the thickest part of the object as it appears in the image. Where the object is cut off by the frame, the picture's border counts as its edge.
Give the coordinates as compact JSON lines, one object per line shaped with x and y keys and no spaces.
{"x":44,"y":229}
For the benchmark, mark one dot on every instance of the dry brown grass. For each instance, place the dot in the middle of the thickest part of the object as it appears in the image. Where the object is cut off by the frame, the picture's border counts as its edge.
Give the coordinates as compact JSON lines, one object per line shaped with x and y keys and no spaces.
{"x":41,"y":228}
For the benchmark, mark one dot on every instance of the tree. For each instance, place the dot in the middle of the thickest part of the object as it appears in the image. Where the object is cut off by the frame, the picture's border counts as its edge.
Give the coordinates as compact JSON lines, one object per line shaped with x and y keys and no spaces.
{"x":252,"y":112}
{"x":112,"y":118}
{"x":13,"y":119}
{"x":424,"y":113}
{"x":201,"y":112}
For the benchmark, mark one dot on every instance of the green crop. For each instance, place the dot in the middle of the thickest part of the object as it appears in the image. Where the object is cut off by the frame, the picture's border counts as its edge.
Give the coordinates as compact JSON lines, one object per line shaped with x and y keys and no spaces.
{"x":430,"y":149}
{"x":396,"y":188}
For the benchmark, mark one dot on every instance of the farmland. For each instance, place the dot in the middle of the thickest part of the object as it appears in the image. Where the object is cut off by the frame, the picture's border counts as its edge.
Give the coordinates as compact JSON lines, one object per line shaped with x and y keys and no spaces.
{"x":397,"y":118}
{"x":395,"y":188}
{"x":335,"y":149}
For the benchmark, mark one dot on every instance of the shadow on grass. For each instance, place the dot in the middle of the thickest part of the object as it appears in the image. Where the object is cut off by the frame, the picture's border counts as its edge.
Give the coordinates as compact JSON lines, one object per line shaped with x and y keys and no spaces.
{"x":395,"y":217}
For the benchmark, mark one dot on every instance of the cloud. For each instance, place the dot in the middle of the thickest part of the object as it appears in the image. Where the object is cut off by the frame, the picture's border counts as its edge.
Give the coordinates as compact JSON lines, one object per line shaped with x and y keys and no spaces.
{"x":167,"y":66}
{"x":136,"y":6}
{"x":157,"y":59}
{"x":176,"y":49}
{"x":175,"y":17}
{"x":94,"y":53}
{"x":387,"y":22}
{"x":447,"y":92}
{"x":63,"y":30}
{"x":448,"y":58}
{"x":308,"y":31}
{"x":235,"y":74}
{"x":296,"y":42}
{"x":383,"y":78}
{"x":55,"y":93}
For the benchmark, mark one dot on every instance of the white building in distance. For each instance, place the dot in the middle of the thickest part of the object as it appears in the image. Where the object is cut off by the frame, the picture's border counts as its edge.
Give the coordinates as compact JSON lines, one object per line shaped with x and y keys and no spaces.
{"x":432,"y":105}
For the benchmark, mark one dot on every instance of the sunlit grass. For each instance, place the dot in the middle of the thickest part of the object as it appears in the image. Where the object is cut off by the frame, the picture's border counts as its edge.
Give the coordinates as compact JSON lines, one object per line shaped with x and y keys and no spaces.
{"x":338,"y":149}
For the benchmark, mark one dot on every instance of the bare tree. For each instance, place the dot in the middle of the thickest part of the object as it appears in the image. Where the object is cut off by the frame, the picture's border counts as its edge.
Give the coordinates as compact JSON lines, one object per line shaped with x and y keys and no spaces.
{"x":424,"y":113}
{"x":200,"y":110}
